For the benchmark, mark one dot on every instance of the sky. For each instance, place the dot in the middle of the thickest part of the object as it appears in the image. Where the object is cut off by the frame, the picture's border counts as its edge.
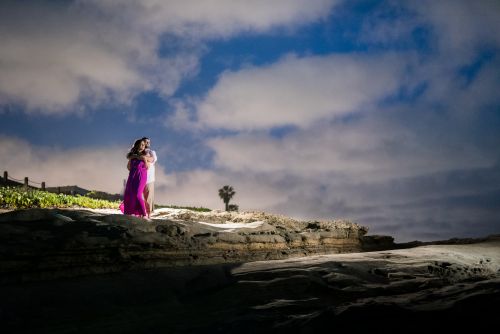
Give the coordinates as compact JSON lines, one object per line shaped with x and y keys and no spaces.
{"x":385,"y":113}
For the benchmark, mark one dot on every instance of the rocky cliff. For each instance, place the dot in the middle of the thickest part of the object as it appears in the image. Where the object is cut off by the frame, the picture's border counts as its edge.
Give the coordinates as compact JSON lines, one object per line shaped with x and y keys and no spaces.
{"x":37,"y":244}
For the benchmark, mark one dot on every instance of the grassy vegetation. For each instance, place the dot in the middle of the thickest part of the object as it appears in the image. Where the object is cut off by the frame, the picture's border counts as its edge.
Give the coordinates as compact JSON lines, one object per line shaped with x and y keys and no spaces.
{"x":18,"y":198}
{"x":200,"y":209}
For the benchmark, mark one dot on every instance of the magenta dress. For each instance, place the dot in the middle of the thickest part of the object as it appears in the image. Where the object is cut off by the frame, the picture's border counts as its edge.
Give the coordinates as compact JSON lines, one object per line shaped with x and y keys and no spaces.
{"x":133,"y":200}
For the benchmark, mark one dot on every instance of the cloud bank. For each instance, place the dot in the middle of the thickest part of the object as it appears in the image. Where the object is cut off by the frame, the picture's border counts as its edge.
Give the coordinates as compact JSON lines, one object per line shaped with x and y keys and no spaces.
{"x":59,"y":58}
{"x":299,"y":91}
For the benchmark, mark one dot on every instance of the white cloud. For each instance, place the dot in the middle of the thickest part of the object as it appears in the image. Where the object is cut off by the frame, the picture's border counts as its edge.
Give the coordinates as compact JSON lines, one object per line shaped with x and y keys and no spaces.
{"x":55,"y":61}
{"x":216,"y":18}
{"x":452,"y":29}
{"x":372,"y":148}
{"x":102,"y":168}
{"x":391,"y":23}
{"x":434,"y":206}
{"x":458,"y":93}
{"x":417,"y":170}
{"x":461,"y":25}
{"x":300,"y":91}
{"x":409,"y":172}
{"x":57,"y":57}
{"x":184,"y":116}
{"x":200,"y":188}
{"x":457,"y":36}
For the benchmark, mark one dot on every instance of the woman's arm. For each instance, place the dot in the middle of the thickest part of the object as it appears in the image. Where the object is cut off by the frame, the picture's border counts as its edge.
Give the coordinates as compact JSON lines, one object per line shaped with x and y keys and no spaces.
{"x":145,"y":158}
{"x":148,"y":159}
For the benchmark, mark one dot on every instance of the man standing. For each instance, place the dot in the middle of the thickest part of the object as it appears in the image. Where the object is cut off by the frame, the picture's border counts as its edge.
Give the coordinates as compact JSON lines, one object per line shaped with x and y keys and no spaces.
{"x":149,"y":190}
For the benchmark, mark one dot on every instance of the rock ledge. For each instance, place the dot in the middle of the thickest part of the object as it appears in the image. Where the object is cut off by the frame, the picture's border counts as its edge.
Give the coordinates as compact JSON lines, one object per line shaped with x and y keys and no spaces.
{"x":38,"y":244}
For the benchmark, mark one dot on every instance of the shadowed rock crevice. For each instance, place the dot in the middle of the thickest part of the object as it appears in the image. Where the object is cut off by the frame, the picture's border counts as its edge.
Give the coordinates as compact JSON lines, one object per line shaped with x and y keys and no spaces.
{"x":385,"y":291}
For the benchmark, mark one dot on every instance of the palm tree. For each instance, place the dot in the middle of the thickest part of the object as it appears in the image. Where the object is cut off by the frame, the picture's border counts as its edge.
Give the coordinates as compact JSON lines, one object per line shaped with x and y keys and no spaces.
{"x":226,"y":193}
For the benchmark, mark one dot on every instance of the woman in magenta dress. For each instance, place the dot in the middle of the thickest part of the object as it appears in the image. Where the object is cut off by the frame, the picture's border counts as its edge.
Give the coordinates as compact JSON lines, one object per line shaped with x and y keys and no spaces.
{"x":133,"y":200}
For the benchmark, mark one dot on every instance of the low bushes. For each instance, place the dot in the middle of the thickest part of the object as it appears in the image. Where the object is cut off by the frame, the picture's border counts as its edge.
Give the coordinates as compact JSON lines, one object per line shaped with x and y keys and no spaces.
{"x":19,"y":198}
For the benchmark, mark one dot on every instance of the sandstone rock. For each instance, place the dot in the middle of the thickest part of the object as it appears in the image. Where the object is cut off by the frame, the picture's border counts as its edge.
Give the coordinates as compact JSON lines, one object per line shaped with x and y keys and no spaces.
{"x":49,"y":243}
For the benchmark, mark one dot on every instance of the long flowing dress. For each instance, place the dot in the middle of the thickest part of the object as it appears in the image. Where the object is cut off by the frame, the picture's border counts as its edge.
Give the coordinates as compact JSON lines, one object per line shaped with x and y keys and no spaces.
{"x":133,"y":200}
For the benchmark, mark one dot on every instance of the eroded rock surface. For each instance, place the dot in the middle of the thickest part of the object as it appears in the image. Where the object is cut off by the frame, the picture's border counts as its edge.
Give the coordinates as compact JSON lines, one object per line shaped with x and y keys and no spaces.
{"x":40,"y":244}
{"x":436,"y":289}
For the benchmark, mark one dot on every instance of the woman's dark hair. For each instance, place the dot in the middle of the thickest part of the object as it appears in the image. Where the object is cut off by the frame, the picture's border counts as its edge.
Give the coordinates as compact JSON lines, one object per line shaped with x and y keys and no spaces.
{"x":135,"y":148}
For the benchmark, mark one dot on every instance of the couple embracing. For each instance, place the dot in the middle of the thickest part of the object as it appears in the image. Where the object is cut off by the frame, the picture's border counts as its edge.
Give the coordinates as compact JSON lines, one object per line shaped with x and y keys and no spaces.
{"x":138,"y":199}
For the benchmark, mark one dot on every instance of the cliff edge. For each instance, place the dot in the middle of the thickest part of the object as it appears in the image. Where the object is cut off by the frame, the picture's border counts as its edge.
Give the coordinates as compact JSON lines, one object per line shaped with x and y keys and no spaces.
{"x":37,"y":244}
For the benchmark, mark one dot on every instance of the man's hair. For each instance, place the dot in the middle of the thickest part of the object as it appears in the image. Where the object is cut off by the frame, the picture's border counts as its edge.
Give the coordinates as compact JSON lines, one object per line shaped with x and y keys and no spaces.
{"x":144,"y":138}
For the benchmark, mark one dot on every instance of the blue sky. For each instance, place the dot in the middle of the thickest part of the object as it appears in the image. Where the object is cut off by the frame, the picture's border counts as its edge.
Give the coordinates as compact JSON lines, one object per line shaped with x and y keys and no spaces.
{"x":386,"y":113}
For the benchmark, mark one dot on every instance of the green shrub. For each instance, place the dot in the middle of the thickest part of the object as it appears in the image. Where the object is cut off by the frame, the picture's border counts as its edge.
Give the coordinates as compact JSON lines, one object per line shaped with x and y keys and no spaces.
{"x":19,"y":198}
